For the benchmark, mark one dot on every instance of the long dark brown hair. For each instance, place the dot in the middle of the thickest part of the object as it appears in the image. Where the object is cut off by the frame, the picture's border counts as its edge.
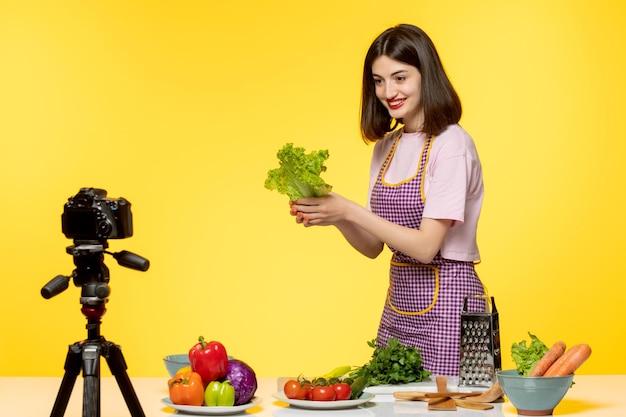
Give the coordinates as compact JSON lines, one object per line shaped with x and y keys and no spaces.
{"x":410,"y":45}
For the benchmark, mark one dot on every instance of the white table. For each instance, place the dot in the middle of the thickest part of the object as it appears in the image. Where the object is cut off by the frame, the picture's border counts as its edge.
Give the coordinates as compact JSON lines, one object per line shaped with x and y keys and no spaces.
{"x":591,"y":395}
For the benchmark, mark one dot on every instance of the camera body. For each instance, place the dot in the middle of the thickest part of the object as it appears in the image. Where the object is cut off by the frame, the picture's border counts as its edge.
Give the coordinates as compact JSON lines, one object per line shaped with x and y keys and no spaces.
{"x":90,"y":215}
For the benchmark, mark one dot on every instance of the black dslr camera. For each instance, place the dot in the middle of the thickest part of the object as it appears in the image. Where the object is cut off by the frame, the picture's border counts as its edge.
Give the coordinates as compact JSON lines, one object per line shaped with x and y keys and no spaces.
{"x":90,"y":219}
{"x":90,"y":215}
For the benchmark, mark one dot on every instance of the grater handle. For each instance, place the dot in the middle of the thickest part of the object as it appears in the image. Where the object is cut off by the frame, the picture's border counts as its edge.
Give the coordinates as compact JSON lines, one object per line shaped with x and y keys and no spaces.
{"x":488,"y":299}
{"x":493,"y":306}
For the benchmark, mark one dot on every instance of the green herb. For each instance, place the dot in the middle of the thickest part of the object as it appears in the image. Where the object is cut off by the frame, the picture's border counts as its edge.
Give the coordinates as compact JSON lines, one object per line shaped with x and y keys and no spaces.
{"x":525,"y":357}
{"x":299,"y":173}
{"x":393,"y":364}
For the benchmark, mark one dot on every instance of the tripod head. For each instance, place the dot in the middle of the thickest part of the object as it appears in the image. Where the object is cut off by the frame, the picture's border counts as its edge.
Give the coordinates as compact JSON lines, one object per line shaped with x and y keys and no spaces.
{"x":91,"y":273}
{"x":91,"y":218}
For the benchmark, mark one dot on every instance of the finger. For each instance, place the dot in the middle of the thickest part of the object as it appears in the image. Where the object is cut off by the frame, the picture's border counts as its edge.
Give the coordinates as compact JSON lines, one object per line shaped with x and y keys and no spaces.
{"x":306,"y":202}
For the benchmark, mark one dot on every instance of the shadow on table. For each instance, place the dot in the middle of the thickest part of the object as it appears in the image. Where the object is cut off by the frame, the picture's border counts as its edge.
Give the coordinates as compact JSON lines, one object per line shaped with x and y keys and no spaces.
{"x":575,"y":406}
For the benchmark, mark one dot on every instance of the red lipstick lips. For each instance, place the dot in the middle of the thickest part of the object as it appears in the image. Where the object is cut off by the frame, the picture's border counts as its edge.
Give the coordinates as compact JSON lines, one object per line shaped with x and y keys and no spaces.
{"x":395,"y":104}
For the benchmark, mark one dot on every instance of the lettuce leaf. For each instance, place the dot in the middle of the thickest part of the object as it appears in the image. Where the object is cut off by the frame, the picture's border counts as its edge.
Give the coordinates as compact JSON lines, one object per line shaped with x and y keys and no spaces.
{"x":299,"y":172}
{"x":526,"y":357}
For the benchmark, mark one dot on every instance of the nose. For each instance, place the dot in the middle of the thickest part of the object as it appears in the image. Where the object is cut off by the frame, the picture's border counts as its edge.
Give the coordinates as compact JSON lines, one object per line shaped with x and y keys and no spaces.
{"x":390,"y":90}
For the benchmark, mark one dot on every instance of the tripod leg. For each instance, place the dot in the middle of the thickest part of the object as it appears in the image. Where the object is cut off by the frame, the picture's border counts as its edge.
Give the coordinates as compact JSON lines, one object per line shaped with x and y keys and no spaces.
{"x":91,"y":376}
{"x":72,"y":369}
{"x":118,"y":367}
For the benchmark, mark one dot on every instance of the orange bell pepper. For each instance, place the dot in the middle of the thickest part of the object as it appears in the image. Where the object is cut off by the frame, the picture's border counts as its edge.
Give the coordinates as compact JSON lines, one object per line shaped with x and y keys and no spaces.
{"x":186,"y":389}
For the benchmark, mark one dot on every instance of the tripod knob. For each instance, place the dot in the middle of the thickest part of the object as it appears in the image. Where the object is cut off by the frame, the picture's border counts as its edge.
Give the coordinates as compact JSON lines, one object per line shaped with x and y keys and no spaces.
{"x":131,"y":260}
{"x":102,"y":290}
{"x":95,"y":293}
{"x":56,"y":286}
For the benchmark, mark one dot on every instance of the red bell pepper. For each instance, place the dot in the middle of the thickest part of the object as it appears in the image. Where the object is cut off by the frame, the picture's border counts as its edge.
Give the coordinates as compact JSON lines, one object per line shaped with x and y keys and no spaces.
{"x":186,"y":389}
{"x":210,"y":360}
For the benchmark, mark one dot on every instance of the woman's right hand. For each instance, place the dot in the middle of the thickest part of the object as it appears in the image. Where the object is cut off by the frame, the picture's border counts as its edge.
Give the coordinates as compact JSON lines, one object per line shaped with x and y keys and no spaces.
{"x":328,"y":210}
{"x":338,"y":211}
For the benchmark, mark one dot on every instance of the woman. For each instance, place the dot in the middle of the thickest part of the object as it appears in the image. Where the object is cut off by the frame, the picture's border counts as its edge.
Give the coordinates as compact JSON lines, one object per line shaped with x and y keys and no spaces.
{"x":426,"y":193}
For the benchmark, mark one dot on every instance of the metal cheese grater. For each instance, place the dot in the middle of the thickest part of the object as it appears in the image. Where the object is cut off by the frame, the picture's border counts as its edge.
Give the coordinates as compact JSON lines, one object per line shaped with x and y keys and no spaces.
{"x":480,"y":345}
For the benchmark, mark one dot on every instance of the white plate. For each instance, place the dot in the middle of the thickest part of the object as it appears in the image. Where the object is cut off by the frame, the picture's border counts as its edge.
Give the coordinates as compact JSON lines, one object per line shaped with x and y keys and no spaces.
{"x":324,"y":405}
{"x":203,"y":410}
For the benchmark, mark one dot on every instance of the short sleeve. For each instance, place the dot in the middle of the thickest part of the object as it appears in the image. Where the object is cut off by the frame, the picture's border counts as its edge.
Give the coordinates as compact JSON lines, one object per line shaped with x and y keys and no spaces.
{"x":454,"y":191}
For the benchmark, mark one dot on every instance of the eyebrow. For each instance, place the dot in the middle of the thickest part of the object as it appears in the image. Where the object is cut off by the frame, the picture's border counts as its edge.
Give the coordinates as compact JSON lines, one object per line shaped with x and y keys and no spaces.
{"x":392,"y":74}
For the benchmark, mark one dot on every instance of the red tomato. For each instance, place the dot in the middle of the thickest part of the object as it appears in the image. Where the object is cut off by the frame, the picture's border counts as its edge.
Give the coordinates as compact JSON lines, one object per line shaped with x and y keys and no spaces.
{"x":308,"y":390}
{"x":342,"y":391}
{"x":322,"y":393}
{"x":294,"y":390}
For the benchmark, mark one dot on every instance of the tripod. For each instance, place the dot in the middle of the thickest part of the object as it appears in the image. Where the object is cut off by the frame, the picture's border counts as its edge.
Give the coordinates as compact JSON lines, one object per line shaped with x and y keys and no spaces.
{"x":93,"y":275}
{"x":86,"y":355}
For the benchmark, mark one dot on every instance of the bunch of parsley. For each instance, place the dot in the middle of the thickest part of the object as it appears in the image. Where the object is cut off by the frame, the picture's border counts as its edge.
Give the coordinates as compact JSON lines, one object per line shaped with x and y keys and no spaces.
{"x":526,"y":357}
{"x":393,"y":364}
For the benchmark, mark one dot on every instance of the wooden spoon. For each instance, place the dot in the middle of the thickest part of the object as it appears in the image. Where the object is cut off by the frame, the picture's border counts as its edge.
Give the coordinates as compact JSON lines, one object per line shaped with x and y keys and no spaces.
{"x":410,"y":396}
{"x":491,"y":395}
{"x":445,"y":403}
{"x":423,"y":396}
{"x":472,"y":404}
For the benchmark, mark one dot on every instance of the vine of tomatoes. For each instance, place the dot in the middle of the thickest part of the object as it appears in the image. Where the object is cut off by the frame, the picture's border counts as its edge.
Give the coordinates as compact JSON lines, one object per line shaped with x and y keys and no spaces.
{"x":320,"y":389}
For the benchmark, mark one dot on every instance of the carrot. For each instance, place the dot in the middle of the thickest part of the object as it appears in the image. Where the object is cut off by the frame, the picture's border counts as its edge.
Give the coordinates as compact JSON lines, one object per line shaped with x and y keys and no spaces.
{"x":570,"y":361}
{"x":555,"y":352}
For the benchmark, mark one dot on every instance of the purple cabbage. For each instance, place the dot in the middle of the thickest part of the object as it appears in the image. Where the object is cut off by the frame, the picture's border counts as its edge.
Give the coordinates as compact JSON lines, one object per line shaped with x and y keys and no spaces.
{"x":243,"y":379}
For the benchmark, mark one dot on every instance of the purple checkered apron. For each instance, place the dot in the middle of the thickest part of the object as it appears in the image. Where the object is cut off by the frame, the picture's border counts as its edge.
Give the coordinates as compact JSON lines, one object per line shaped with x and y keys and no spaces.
{"x":424,"y":301}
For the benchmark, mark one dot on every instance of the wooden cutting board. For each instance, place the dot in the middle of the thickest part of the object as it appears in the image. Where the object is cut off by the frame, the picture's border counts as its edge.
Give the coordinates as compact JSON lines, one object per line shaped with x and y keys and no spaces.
{"x":445,"y":403}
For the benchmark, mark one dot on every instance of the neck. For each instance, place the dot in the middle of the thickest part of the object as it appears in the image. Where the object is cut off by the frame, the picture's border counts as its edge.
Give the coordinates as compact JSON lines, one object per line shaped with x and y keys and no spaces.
{"x":415,"y":126}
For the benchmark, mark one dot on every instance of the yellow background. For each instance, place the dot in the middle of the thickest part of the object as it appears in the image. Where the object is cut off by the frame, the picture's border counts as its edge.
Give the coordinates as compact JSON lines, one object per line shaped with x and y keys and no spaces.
{"x":181,"y":106}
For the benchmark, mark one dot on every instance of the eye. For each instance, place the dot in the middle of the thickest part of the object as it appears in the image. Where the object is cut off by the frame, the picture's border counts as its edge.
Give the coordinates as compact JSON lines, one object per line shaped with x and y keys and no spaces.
{"x":401,"y":78}
{"x":378,"y":81}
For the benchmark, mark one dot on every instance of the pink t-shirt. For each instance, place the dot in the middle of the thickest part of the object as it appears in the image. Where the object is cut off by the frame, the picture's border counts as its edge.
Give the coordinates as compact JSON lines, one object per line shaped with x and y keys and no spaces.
{"x":453,"y":183}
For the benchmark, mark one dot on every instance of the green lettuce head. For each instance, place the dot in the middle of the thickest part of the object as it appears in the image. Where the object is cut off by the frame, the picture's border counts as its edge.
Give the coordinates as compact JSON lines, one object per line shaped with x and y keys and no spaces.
{"x":298,"y":175}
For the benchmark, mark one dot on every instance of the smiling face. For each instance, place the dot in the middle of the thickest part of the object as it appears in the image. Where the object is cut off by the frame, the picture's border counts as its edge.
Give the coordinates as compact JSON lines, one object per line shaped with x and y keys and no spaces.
{"x":399,"y":89}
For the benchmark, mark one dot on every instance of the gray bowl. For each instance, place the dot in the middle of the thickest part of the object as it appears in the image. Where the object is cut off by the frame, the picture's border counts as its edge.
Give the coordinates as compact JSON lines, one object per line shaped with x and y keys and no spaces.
{"x":174,"y":362}
{"x":533,"y":396}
